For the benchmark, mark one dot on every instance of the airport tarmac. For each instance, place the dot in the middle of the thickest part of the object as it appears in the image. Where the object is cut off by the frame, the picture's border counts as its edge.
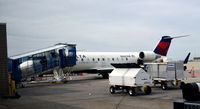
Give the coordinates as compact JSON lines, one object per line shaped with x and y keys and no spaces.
{"x":88,"y":92}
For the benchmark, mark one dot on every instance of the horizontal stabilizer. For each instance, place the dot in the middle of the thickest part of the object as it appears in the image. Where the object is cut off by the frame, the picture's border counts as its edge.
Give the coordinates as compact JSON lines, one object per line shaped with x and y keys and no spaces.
{"x":179,"y":36}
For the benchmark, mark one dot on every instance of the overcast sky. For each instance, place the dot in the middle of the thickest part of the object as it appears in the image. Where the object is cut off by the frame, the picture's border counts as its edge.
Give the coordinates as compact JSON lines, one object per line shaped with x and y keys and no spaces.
{"x":102,"y":25}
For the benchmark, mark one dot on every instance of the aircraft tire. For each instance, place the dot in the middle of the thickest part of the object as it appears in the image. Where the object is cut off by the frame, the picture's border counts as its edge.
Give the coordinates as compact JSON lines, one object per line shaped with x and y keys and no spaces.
{"x":131,"y":91}
{"x":164,"y":86}
{"x":112,"y":89}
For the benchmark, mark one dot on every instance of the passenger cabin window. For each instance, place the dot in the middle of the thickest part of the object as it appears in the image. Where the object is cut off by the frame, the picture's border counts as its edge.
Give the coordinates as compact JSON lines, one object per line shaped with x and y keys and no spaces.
{"x":98,"y":59}
{"x":117,"y":59}
{"x":113,"y":59}
{"x":82,"y":59}
{"x":127,"y":59}
{"x":103,"y":59}
{"x":93,"y":59}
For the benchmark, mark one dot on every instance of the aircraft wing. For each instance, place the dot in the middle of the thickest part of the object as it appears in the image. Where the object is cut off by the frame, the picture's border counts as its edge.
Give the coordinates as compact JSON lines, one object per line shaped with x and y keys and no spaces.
{"x":125,"y":65}
{"x":105,"y":69}
{"x":95,"y":70}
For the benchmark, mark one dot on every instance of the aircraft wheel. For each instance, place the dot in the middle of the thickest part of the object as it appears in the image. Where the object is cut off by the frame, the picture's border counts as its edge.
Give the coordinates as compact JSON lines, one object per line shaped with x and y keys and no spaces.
{"x":112,"y":89}
{"x":131,"y":91}
{"x":164,"y":86}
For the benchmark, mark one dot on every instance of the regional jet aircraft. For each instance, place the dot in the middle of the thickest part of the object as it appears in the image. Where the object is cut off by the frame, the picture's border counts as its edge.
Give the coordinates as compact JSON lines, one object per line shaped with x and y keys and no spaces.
{"x":101,"y":62}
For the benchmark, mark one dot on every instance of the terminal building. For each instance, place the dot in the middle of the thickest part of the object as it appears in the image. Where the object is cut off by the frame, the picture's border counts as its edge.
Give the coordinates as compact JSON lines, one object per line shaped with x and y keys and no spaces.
{"x":196,"y":59}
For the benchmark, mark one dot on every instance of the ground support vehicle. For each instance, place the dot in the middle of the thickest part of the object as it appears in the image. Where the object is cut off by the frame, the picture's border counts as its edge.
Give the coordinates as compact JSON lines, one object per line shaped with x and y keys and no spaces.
{"x":132,"y":80}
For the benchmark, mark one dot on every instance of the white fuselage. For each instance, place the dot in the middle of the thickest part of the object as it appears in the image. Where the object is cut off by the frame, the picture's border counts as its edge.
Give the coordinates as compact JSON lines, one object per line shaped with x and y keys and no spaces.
{"x":103,"y":60}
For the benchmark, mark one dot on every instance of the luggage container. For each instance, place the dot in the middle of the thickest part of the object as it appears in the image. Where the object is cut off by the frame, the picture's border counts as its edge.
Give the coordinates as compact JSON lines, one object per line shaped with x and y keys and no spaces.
{"x":132,"y":80}
{"x":166,"y":74}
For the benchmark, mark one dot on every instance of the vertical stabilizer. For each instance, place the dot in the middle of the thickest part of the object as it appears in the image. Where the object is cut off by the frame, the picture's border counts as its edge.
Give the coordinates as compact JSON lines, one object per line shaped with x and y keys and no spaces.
{"x":187,"y":58}
{"x":163,"y":46}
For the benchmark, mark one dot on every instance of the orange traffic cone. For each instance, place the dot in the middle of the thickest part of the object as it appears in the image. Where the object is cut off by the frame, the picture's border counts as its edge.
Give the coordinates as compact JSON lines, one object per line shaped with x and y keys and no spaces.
{"x":193,"y":72}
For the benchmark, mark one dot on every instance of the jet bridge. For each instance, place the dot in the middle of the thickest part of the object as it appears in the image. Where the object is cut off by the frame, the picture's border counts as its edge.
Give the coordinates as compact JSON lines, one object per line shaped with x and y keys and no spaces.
{"x":51,"y":59}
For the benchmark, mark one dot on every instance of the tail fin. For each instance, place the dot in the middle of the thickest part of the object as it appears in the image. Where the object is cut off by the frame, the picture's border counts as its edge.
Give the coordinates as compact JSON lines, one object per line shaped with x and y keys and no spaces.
{"x":187,"y":58}
{"x":163,"y":46}
{"x":186,"y":61}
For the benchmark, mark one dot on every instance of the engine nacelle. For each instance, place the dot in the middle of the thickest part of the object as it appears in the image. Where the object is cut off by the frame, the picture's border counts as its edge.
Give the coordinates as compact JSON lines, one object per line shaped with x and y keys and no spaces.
{"x":148,"y":56}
